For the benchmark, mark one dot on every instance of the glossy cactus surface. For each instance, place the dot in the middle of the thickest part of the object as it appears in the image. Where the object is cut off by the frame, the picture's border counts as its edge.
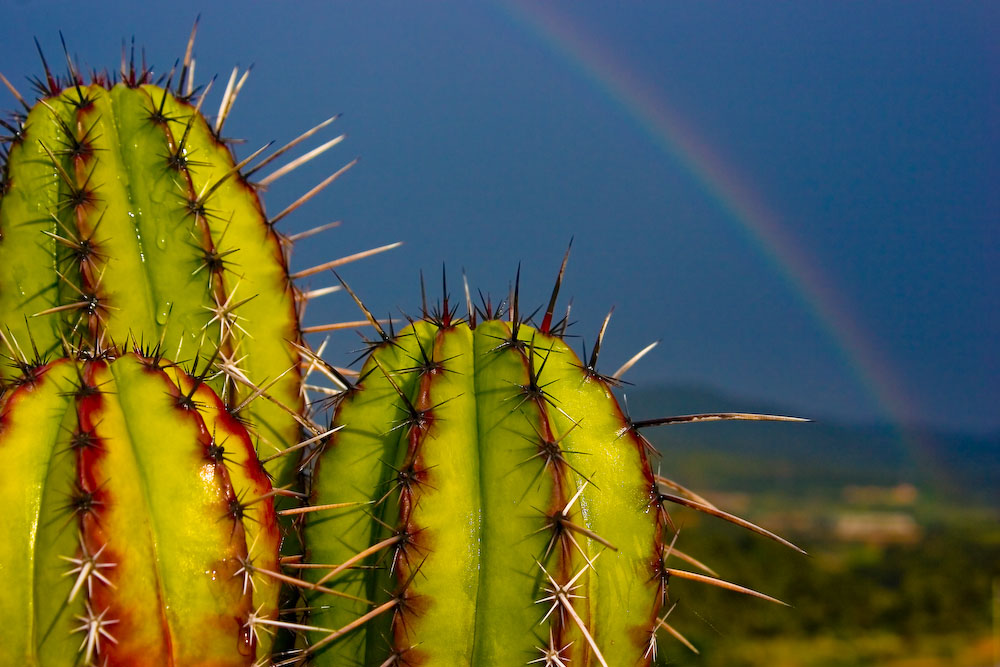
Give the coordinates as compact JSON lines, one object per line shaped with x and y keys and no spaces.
{"x":503,"y":506}
{"x":137,"y":520}
{"x":124,"y":216}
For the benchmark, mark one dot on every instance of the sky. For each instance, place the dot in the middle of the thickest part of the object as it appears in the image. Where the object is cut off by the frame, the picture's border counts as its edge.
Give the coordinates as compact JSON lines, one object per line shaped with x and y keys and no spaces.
{"x":798,"y":200}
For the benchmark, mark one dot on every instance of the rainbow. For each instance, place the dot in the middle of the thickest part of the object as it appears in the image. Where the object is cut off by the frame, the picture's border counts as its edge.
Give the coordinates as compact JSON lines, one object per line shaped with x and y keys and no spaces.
{"x":678,"y":139}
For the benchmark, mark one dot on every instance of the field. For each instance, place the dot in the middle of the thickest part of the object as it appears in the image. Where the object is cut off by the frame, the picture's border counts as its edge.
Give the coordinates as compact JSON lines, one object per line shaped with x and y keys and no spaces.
{"x":904,"y":557}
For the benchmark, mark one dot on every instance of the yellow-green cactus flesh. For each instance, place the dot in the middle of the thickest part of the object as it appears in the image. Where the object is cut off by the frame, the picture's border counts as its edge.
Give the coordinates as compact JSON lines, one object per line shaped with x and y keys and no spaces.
{"x":138,"y":524}
{"x":491,"y":505}
{"x":123,"y":217}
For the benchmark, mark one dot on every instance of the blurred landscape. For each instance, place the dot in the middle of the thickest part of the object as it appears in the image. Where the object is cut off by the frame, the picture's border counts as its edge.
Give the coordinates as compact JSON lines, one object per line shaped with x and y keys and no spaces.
{"x":901,"y":528}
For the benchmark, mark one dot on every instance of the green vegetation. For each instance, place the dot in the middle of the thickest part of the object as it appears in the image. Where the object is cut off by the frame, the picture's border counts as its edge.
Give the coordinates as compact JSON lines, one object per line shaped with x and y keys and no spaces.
{"x":904,"y":556}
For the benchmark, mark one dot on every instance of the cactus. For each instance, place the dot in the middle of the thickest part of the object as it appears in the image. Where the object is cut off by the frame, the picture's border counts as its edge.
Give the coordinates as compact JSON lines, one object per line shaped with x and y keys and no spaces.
{"x":139,"y":524}
{"x":485,"y":501}
{"x":124,"y":215}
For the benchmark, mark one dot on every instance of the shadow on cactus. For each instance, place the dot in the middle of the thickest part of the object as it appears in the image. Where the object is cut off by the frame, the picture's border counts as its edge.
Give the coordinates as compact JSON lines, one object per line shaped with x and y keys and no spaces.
{"x":486,"y":501}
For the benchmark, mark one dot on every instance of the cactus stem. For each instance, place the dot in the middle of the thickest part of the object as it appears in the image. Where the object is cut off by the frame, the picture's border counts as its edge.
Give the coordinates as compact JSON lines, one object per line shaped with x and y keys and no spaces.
{"x":617,"y":375}
{"x":720,"y":583}
{"x":313,"y":192}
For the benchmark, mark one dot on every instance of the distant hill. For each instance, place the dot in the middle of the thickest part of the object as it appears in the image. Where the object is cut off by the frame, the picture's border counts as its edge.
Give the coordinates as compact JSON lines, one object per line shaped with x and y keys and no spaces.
{"x":816,"y":458}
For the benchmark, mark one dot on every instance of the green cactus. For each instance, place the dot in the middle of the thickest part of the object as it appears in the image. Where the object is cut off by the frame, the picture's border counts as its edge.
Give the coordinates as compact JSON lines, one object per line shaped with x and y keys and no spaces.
{"x":125,"y":216}
{"x":139,"y":524}
{"x":485,"y":501}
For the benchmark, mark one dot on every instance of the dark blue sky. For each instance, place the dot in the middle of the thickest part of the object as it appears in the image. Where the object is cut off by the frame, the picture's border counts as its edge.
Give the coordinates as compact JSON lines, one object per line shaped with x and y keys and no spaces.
{"x":869,"y":130}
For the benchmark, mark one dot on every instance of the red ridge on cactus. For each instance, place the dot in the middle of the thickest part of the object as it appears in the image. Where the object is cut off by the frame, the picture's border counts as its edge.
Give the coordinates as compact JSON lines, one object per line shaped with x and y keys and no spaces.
{"x":139,"y":517}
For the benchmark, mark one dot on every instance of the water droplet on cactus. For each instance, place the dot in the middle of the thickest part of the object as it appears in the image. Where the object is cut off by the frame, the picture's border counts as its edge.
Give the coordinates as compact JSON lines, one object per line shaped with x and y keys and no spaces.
{"x":163,"y":312}
{"x":245,"y":643}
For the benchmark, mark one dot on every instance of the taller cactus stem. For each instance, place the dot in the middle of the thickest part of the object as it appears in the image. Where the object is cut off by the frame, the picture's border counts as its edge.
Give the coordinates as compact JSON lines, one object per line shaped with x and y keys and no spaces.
{"x":124,"y":216}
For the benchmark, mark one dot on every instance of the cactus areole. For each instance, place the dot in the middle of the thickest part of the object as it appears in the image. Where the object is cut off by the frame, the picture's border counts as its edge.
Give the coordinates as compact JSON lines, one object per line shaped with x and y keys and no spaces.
{"x":137,"y":520}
